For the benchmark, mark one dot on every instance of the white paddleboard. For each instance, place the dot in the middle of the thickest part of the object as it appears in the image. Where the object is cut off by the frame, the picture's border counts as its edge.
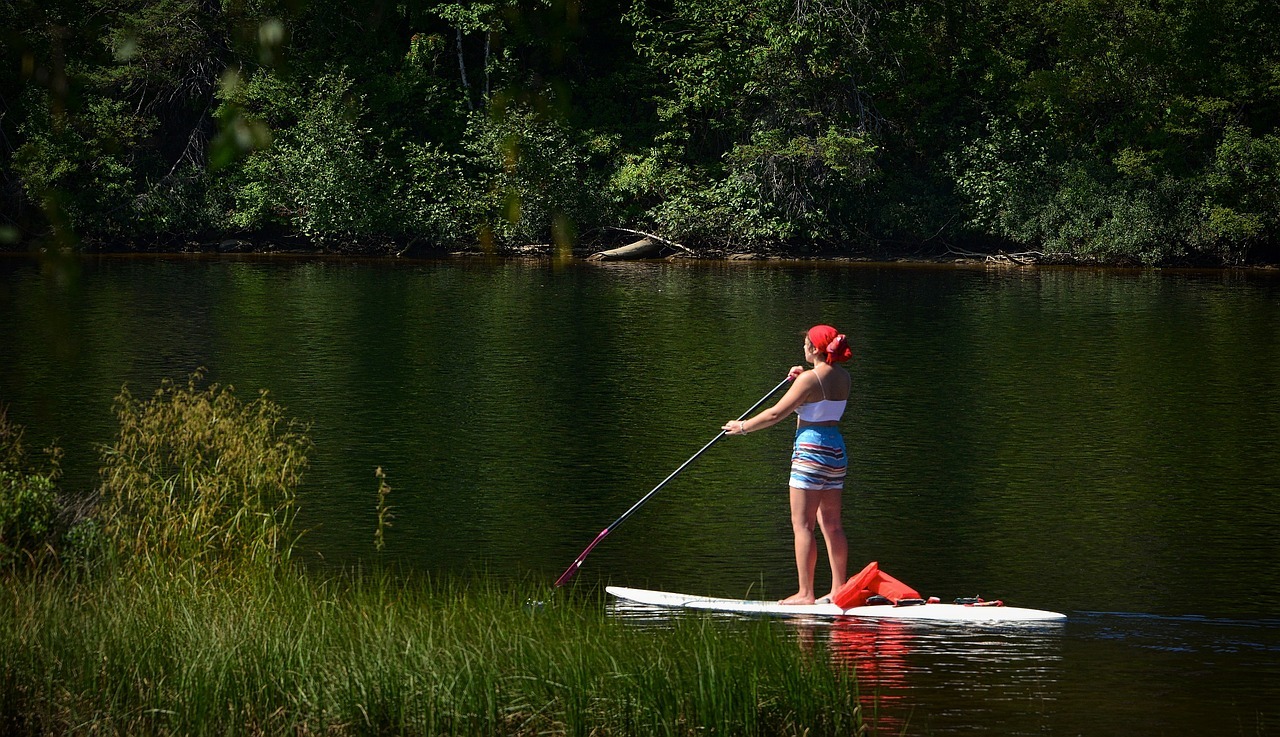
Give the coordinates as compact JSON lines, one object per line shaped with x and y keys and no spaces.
{"x":931,"y":612}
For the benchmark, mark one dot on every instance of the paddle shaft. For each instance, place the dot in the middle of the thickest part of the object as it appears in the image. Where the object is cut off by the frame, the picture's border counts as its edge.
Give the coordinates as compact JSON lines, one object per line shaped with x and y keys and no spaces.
{"x":572,"y":569}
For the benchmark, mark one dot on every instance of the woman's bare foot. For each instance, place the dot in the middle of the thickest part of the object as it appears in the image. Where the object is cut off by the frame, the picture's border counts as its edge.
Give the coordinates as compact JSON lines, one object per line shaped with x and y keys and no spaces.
{"x":799,"y":599}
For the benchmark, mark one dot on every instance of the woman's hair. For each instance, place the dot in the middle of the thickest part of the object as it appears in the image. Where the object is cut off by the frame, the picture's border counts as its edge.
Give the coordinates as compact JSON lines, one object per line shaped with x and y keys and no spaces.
{"x":829,"y":342}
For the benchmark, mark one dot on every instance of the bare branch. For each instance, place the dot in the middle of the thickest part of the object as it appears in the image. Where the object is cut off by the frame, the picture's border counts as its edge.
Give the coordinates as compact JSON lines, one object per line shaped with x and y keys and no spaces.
{"x":654,"y":237}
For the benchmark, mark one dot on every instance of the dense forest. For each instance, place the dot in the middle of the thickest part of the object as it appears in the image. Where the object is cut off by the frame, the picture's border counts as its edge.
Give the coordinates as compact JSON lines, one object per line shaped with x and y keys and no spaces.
{"x":1113,"y":130}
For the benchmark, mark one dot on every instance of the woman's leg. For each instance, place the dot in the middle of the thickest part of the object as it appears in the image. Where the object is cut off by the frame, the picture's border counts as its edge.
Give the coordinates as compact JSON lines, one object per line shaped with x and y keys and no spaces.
{"x":829,"y":513}
{"x":804,"y":512}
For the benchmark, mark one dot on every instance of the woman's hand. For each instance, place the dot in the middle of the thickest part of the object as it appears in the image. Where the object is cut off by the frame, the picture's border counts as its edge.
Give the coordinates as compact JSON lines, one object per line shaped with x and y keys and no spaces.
{"x":795,"y":371}
{"x":734,"y":427}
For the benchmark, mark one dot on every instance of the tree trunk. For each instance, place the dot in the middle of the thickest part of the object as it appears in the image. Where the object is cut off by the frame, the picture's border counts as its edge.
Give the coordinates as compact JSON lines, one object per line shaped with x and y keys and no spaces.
{"x":462,"y":68}
{"x":643,"y":248}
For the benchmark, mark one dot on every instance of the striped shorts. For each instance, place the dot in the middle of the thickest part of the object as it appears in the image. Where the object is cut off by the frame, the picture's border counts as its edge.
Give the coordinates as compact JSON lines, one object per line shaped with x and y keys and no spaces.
{"x":818,"y":462}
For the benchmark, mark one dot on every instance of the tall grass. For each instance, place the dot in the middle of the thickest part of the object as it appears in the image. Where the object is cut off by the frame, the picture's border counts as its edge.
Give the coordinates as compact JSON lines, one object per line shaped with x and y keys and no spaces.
{"x":197,"y":474}
{"x":180,"y":651}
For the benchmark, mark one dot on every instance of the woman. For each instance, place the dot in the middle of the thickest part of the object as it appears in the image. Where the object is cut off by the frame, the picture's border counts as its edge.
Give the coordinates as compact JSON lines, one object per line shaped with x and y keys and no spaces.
{"x":818,"y":463}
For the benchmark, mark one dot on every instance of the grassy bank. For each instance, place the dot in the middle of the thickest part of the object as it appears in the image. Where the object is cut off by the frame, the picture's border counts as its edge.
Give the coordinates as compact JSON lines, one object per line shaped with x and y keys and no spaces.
{"x":184,"y":651}
{"x":171,"y":606}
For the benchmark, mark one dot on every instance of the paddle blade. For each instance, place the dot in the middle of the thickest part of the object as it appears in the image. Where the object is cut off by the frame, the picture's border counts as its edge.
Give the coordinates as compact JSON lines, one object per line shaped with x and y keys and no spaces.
{"x":573,"y":568}
{"x":568,"y":573}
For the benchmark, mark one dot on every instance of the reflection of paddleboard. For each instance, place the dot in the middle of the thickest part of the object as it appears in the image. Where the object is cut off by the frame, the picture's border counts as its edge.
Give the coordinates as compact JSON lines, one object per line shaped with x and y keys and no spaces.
{"x":934,"y":612}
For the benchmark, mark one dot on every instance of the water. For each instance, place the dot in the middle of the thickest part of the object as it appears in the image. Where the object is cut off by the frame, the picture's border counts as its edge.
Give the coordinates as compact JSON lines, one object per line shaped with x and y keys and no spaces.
{"x":1102,"y":443}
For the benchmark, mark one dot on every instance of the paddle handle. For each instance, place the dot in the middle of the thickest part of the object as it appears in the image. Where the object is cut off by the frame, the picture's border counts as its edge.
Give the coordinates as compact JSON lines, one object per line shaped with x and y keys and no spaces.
{"x":577,"y":563}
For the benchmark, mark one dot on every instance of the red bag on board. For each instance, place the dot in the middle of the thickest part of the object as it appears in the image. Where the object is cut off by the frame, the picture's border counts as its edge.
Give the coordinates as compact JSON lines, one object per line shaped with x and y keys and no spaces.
{"x":854,"y":592}
{"x":893,"y":589}
{"x":869,"y":582}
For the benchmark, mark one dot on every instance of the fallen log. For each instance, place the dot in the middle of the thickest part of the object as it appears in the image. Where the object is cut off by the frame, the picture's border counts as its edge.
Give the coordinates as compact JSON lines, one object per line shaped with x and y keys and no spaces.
{"x":643,"y":248}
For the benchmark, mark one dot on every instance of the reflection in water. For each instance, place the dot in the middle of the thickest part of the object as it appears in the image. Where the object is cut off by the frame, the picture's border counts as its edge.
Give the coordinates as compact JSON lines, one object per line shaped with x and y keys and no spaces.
{"x":877,"y":651}
{"x":877,"y":654}
{"x":940,"y":676}
{"x":923,"y":677}
{"x":934,"y":677}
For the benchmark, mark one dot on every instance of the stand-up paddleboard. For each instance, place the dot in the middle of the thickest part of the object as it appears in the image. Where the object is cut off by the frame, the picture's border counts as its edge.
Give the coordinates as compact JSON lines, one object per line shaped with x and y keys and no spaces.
{"x":927,"y":612}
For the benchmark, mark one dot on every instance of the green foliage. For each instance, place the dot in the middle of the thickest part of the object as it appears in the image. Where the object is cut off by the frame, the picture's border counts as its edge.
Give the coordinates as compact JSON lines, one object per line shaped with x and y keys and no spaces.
{"x":1003,"y":175}
{"x":771,"y":190}
{"x":83,"y":545}
{"x":1113,"y":140}
{"x":30,"y":509}
{"x":323,"y":175}
{"x":810,"y":181}
{"x":436,"y":195}
{"x":541,"y":181}
{"x":164,"y":52}
{"x":28,"y":516}
{"x":720,"y":123}
{"x":1122,"y":211}
{"x":91,"y":153}
{"x":114,"y":116}
{"x":692,"y":204}
{"x":1132,"y":207}
{"x":768,"y":135}
{"x":1242,"y":206}
{"x":198,"y":475}
{"x":1114,"y":219}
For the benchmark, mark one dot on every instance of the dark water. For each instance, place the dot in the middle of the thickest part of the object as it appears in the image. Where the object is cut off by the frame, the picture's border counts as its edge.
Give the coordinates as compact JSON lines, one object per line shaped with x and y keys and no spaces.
{"x":1105,"y":444}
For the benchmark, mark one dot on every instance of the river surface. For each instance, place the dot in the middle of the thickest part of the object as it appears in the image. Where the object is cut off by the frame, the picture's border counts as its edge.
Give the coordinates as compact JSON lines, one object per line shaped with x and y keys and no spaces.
{"x":1101,"y":443}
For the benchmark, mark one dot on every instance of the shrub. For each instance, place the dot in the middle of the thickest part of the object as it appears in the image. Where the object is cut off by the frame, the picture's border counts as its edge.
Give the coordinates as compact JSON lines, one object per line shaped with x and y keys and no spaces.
{"x":28,"y":516}
{"x":197,"y":475}
{"x":83,"y":162}
{"x":323,"y":174}
{"x":436,"y":195}
{"x":1243,"y":198}
{"x":83,"y":545}
{"x":697,"y":204}
{"x":811,"y":181}
{"x":541,"y":178}
{"x":29,"y":506}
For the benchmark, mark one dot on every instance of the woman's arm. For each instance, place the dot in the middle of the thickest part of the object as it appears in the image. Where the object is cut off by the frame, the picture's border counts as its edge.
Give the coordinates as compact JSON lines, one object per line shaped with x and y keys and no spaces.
{"x":794,"y":397}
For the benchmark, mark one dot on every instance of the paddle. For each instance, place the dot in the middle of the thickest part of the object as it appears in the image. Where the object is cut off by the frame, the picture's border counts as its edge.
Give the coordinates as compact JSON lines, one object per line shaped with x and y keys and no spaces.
{"x":572,"y":569}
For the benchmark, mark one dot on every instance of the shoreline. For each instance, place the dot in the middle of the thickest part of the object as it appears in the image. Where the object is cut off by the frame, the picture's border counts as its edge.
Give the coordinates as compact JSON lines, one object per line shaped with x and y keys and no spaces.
{"x":271,"y":247}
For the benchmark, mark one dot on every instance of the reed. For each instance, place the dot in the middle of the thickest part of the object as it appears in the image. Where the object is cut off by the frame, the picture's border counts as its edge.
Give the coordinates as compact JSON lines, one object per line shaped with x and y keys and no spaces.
{"x":197,"y":474}
{"x":175,"y":649}
{"x":385,"y":515}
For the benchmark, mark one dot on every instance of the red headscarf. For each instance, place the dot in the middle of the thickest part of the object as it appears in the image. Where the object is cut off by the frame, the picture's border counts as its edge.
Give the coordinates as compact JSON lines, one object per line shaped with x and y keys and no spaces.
{"x":827,"y":340}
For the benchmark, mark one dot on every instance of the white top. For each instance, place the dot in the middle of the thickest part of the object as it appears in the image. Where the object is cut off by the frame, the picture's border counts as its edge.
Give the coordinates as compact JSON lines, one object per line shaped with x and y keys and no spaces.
{"x":826,"y":410}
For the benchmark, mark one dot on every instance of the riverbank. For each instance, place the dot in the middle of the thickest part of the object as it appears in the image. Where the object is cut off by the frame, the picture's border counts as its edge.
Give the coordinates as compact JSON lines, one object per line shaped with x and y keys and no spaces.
{"x":925,"y":254}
